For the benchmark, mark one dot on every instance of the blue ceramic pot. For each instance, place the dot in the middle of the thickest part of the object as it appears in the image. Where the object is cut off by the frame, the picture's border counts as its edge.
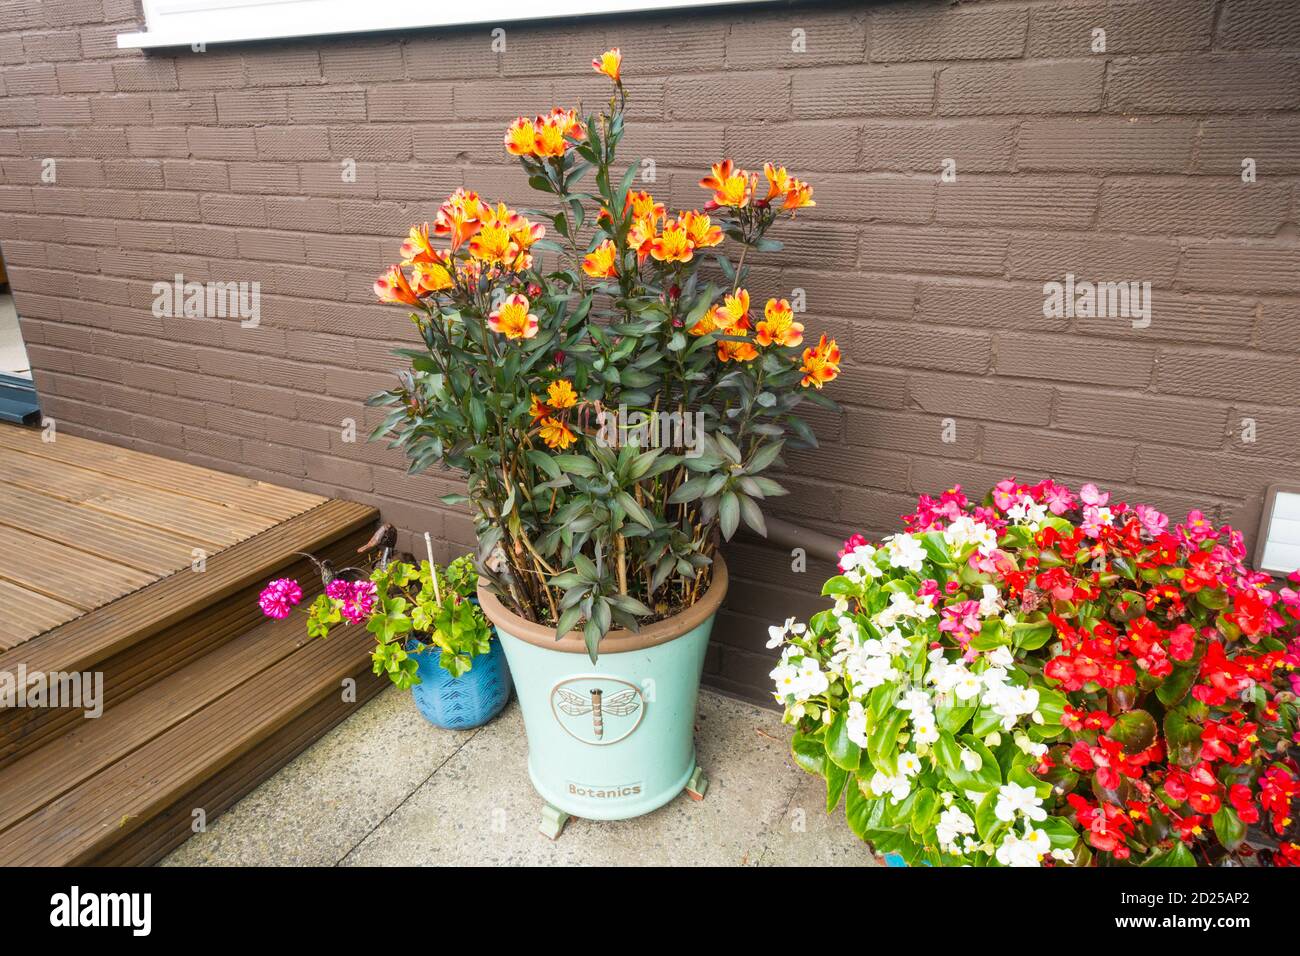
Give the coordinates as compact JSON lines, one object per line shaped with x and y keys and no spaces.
{"x":459,"y":703}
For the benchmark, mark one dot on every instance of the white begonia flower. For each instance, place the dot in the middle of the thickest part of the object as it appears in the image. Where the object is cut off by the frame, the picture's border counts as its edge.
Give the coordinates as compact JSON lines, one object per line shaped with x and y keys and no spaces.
{"x":797,"y":710}
{"x":894,"y":642}
{"x":861,"y":559}
{"x":904,"y":551}
{"x":924,"y":730}
{"x":1014,"y":799}
{"x":1001,"y":657}
{"x":909,"y":764}
{"x":786,"y":678}
{"x":916,"y":700}
{"x":924,"y":609}
{"x":855,"y":723}
{"x":1063,"y":855}
{"x":1028,"y":746}
{"x":966,"y":686}
{"x":868,"y":671}
{"x":1021,"y":851}
{"x":991,"y":602}
{"x":776,"y":635}
{"x":971,"y":761}
{"x":841,"y":605}
{"x":966,"y":530}
{"x":953,"y":823}
{"x":1027,"y":511}
{"x":898,"y":788}
{"x":946,"y":798}
{"x":1011,"y":703}
{"x":900,"y":605}
{"x":811,"y":678}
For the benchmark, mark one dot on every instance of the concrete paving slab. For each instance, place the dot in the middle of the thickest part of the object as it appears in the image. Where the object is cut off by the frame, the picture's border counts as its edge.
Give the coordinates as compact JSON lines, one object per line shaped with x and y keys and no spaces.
{"x":324,"y":802}
{"x":386,"y":788}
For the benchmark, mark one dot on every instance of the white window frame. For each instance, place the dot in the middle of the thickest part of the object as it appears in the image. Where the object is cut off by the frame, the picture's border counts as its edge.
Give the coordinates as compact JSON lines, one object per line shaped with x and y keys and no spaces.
{"x":171,"y":23}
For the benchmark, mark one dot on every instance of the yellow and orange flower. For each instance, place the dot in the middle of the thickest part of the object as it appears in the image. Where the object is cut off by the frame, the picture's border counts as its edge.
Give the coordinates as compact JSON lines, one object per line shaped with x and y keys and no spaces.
{"x":821,"y":363}
{"x":609,"y":63}
{"x":538,"y":408}
{"x":429,"y":277}
{"x":551,"y":130}
{"x":673,"y":244}
{"x":732,"y":316}
{"x":778,"y":181}
{"x":600,"y":262}
{"x":641,"y":236}
{"x":560,"y":394}
{"x":521,"y":137}
{"x":643,"y":205}
{"x":512,"y":319}
{"x":798,"y":195}
{"x":459,"y":217}
{"x":705,"y":325}
{"x":778,"y":326}
{"x":730,"y":186}
{"x":704,"y":234}
{"x":416,"y":247}
{"x":736,"y":351}
{"x":556,"y":434}
{"x":393,"y":287}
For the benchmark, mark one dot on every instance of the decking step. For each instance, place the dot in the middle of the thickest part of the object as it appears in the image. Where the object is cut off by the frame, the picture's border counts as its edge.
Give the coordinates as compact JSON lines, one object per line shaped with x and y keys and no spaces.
{"x":122,"y":789}
{"x":149,"y":635}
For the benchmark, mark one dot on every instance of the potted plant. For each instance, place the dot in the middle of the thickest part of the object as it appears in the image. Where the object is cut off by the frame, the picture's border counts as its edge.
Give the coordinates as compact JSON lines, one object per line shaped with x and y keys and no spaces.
{"x":615,"y":411}
{"x":431,"y":635}
{"x":1051,"y":678}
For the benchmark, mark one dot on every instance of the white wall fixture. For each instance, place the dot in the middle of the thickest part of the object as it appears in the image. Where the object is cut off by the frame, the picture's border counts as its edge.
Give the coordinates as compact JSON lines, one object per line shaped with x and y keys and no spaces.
{"x":190,"y":22}
{"x":1277,"y":550}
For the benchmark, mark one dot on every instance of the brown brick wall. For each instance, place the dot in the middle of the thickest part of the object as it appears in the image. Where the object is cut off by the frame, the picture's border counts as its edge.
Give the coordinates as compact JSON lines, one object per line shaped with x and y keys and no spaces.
{"x":224,"y":165}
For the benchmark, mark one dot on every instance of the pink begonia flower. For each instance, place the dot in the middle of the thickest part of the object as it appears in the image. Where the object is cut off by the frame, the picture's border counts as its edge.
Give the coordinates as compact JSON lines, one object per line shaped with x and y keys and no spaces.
{"x":929,"y":588}
{"x":1089,"y":495}
{"x":1007,"y":492}
{"x":990,"y":518}
{"x":962,"y":620}
{"x":1197,"y":527}
{"x":1058,"y":498}
{"x":995,"y":562}
{"x":1093,"y":521}
{"x":1153,"y":522}
{"x":279,"y":597}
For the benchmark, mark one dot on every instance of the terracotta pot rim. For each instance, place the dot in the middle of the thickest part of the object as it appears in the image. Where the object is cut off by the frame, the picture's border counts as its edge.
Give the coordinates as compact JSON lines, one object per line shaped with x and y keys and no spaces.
{"x":617,"y":641}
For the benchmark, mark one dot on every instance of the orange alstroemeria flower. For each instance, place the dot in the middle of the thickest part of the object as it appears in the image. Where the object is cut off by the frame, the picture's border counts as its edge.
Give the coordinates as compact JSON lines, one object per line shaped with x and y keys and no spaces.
{"x":429,"y":277}
{"x":674,"y":245}
{"x":560,"y":394}
{"x":459,"y":217}
{"x":701,"y":229}
{"x":641,"y":236}
{"x":778,"y":181}
{"x":731,"y":186}
{"x":497,"y":240}
{"x":736,"y":351}
{"x":537,"y":408}
{"x":512,"y":319}
{"x":393,"y":287}
{"x":609,"y":63}
{"x":556,"y":434}
{"x":732,"y":316}
{"x":821,"y":364}
{"x":551,"y":130}
{"x":778,"y":326}
{"x":600,"y":262}
{"x":521,"y":137}
{"x":643,"y":205}
{"x":798,"y":195}
{"x":416,"y":246}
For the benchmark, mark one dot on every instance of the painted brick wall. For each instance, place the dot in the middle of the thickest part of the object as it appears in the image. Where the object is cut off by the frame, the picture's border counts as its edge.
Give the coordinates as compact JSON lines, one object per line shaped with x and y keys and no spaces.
{"x":1123,"y":165}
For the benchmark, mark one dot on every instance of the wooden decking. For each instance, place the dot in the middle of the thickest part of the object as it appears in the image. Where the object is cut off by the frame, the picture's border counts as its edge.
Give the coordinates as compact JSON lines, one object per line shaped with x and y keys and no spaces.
{"x":83,"y":524}
{"x":202,"y":697}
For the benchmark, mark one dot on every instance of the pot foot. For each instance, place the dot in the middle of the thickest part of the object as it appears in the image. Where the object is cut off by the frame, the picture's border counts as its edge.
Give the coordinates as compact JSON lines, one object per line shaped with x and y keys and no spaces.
{"x":698,"y":785}
{"x":553,"y":822}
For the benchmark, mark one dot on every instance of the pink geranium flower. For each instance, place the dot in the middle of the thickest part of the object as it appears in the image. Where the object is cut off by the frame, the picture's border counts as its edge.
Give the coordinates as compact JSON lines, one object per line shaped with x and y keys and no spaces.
{"x":356,"y":598}
{"x":279,"y":598}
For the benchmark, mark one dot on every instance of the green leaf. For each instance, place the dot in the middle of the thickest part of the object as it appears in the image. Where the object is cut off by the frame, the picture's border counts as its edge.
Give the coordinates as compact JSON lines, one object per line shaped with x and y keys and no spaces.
{"x":728,"y":514}
{"x":842,"y":751}
{"x":1177,"y":855}
{"x":836,"y":779}
{"x":857,"y":809}
{"x":923,"y":811}
{"x":1229,"y":828}
{"x":1135,"y":729}
{"x":809,"y":753}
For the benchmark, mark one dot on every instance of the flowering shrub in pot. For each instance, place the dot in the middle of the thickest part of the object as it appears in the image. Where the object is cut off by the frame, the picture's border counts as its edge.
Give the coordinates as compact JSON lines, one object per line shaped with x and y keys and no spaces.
{"x":431,"y":635}
{"x":615,"y":395}
{"x":1051,"y":678}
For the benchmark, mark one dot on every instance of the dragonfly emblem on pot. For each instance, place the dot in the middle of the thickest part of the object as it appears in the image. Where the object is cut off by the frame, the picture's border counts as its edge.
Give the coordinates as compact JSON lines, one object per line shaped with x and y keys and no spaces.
{"x":621,"y":704}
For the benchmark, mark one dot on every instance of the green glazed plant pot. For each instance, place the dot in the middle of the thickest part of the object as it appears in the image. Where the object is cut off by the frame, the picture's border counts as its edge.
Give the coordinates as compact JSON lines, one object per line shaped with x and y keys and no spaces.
{"x":614,"y":739}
